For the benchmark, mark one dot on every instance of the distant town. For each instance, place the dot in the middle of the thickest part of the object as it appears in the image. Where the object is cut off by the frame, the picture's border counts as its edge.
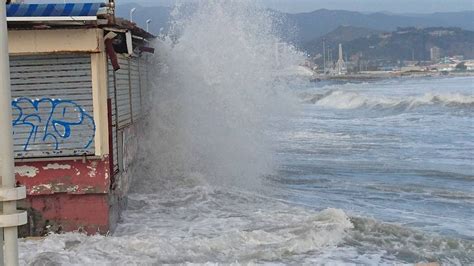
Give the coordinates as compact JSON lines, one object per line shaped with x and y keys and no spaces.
{"x":406,"y":51}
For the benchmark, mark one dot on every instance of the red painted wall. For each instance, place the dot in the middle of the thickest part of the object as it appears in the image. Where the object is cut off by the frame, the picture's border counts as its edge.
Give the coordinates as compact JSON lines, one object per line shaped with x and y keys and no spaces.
{"x":66,"y":195}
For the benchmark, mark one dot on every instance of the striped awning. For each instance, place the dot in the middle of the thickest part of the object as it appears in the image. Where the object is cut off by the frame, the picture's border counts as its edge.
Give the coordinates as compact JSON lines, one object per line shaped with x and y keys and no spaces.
{"x":25,"y":12}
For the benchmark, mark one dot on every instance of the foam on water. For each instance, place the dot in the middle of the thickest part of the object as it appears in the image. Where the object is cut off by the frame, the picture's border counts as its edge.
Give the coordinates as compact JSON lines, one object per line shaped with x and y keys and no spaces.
{"x":207,"y":187}
{"x":188,"y":222}
{"x":341,"y":99}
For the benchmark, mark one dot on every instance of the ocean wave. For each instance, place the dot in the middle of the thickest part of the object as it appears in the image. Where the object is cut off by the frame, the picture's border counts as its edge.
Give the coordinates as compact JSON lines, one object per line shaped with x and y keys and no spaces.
{"x":223,"y":228}
{"x":215,"y":227}
{"x":440,"y":194}
{"x":339,"y":99}
{"x":182,"y":221}
{"x":408,"y":245}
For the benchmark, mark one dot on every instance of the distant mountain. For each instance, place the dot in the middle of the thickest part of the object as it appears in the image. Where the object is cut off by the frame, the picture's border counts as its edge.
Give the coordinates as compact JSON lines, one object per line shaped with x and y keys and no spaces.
{"x":341,"y":34}
{"x":317,"y":23}
{"x":406,"y":44}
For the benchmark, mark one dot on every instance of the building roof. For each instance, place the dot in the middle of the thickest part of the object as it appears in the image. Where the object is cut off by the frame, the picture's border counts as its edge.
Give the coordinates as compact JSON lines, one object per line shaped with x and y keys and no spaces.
{"x":35,"y":12}
{"x":77,"y":15}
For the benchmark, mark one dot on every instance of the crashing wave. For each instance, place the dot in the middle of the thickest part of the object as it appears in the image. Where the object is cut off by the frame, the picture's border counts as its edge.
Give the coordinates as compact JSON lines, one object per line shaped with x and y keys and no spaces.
{"x":339,"y":99}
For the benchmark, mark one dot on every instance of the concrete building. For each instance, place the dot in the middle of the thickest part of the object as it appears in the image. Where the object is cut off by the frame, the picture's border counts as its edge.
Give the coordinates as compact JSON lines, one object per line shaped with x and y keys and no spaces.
{"x":79,"y":87}
{"x":435,"y":54}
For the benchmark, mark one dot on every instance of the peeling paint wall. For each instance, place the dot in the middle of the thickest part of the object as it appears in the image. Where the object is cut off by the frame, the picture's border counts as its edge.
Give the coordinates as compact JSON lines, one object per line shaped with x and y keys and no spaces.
{"x":65,"y":212}
{"x":61,"y":127}
{"x":26,"y":171}
{"x":69,"y":176}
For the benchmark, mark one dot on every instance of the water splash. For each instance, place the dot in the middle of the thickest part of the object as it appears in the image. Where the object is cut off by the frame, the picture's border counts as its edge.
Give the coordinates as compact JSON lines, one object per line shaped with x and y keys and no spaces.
{"x":216,"y":89}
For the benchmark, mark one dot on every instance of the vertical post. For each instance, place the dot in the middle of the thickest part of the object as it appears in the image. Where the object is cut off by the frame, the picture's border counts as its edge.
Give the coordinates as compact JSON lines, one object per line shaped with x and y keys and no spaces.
{"x":148,"y":25}
{"x":131,"y":13}
{"x":324,"y":56}
{"x":129,"y":60}
{"x":6,"y":160}
{"x":10,"y":218}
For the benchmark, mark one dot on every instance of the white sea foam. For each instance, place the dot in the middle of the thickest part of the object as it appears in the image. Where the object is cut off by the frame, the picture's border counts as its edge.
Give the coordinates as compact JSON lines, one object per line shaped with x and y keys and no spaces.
{"x":342,"y":99}
{"x":196,"y":224}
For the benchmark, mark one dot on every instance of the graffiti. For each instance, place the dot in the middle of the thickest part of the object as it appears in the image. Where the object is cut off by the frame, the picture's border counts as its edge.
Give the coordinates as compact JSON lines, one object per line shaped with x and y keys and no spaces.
{"x":55,"y":123}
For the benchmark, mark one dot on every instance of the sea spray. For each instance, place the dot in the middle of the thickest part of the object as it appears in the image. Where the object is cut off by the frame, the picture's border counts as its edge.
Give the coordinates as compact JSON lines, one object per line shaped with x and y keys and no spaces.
{"x":217,"y":86}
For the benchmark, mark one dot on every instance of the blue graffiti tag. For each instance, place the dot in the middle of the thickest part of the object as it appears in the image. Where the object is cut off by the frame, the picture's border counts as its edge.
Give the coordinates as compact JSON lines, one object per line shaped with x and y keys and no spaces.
{"x":52,"y":122}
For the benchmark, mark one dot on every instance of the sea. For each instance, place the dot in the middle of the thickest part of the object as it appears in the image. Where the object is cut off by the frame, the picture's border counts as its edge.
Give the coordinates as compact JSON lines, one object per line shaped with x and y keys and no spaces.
{"x":240,"y":164}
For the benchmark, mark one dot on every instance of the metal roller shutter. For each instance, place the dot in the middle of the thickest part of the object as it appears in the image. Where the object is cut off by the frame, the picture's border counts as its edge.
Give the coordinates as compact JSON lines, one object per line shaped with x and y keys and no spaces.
{"x":122,"y":84}
{"x":144,"y":84}
{"x":135,"y":87}
{"x":52,"y":105}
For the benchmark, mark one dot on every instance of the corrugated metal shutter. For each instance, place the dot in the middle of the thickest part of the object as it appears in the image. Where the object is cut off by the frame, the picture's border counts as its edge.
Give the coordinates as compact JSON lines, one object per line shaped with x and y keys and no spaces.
{"x":52,"y":105}
{"x":122,"y":84}
{"x":114,"y":128}
{"x":144,"y":83}
{"x":125,"y":91}
{"x":135,"y":86}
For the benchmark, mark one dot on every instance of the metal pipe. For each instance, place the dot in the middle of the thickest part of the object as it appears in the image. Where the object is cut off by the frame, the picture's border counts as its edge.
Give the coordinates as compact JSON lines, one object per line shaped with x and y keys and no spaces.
{"x":148,"y":25}
{"x":131,"y":13}
{"x":7,"y":180}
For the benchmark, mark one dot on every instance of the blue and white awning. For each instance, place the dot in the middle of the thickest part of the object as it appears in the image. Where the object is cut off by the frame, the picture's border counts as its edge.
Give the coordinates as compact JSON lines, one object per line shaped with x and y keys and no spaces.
{"x":53,"y":12}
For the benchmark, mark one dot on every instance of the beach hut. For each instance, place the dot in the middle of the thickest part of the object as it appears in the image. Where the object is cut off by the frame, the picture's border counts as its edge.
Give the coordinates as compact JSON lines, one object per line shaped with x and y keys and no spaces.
{"x":79,"y":80}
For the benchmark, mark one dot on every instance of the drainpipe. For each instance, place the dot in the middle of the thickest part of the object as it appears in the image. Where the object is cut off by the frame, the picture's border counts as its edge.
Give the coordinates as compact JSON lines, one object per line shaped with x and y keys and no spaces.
{"x":10,"y":218}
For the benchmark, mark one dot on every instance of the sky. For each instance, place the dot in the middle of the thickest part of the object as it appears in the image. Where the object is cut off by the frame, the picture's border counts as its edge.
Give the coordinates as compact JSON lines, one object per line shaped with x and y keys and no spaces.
{"x":296,"y":6}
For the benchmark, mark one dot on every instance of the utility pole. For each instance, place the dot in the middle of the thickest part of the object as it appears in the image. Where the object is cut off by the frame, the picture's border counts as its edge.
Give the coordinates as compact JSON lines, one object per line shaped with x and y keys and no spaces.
{"x":324,"y":56}
{"x":10,"y":218}
{"x":330,"y":58}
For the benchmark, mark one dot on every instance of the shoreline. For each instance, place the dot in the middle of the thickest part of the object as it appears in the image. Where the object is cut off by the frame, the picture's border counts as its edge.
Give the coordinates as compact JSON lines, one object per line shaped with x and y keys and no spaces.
{"x":364,"y":77}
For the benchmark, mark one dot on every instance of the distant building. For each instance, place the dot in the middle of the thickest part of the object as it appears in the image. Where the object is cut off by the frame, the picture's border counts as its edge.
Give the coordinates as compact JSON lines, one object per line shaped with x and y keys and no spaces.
{"x":470,"y":65}
{"x":435,"y":54}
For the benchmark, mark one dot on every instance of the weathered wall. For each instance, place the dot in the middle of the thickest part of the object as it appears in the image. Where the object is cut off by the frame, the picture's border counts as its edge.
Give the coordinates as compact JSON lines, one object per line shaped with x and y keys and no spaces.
{"x":66,"y":195}
{"x":55,"y":41}
{"x":75,"y":126}
{"x":65,"y":213}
